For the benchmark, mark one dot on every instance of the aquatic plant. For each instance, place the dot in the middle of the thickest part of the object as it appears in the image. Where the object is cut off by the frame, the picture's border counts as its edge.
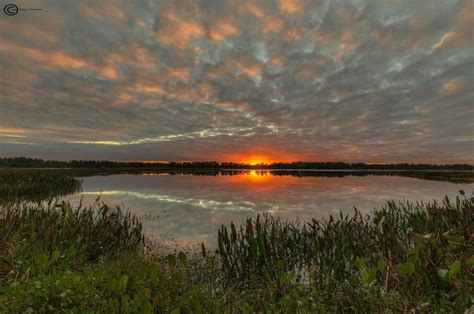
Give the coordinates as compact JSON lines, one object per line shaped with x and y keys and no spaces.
{"x":404,"y":257}
{"x":404,"y":247}
{"x":18,"y":185}
{"x":57,"y":228}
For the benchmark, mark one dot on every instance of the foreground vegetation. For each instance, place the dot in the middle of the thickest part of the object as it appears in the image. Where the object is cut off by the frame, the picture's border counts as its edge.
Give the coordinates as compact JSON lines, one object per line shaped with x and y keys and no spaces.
{"x":406,"y":256}
{"x":35,"y":185}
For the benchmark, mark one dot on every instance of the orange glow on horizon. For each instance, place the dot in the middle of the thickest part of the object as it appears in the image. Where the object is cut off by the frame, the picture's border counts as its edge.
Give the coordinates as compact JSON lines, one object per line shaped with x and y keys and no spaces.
{"x":254,"y":160}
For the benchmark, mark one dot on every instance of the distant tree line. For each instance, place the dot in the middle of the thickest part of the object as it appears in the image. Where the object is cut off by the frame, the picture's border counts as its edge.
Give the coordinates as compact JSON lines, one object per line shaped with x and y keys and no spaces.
{"x":24,"y":162}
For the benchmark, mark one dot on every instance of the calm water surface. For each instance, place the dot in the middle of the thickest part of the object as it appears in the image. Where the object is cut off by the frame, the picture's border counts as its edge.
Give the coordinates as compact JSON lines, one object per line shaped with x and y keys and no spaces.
{"x":188,"y":209}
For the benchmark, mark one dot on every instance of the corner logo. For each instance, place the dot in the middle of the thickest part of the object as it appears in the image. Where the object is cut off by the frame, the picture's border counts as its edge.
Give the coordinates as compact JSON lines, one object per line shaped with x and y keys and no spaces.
{"x":10,"y":9}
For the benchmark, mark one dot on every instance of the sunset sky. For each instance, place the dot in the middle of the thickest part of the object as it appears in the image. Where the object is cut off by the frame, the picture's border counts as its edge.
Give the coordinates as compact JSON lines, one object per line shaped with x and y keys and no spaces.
{"x":371,"y":81}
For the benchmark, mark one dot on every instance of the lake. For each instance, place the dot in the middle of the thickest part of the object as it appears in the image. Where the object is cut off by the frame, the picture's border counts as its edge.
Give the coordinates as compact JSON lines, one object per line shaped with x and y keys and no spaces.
{"x":187,"y":209}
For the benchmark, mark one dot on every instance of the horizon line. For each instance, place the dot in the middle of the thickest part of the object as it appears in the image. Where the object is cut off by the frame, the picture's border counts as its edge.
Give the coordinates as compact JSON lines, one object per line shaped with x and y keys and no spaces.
{"x":234,"y":162}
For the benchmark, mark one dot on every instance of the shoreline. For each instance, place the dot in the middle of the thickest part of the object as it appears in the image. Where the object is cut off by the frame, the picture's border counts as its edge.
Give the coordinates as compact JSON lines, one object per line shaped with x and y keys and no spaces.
{"x":245,"y":169}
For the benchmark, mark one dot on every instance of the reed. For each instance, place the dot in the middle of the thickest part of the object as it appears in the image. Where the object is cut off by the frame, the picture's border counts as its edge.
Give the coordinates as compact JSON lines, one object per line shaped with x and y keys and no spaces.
{"x":403,"y":247}
{"x":404,"y":257}
{"x":52,"y":229}
{"x":18,"y":185}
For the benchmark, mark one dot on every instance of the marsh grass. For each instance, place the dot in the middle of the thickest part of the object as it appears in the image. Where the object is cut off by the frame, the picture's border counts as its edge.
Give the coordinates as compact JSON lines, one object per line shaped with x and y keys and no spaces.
{"x":18,"y":185}
{"x":51,"y":229}
{"x":404,"y":257}
{"x":421,"y":251}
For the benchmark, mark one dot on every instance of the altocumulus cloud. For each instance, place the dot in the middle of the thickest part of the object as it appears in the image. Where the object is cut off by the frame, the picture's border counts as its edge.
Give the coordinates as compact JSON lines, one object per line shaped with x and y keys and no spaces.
{"x":351,"y":80}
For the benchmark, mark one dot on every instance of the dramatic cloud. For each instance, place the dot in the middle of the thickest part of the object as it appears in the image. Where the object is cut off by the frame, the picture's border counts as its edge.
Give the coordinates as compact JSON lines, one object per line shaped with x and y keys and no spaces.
{"x":375,"y":81}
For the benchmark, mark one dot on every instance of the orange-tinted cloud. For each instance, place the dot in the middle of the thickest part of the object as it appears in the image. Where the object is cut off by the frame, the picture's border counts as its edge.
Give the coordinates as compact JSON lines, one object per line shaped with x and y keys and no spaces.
{"x":294,"y":34}
{"x":379,"y":36}
{"x":466,"y":14}
{"x":148,"y":88}
{"x":174,"y":79}
{"x":253,"y":69}
{"x":251,"y":7}
{"x":452,"y":87}
{"x":221,"y":29}
{"x":182,"y":73}
{"x":271,"y":24}
{"x":290,"y":6}
{"x":178,"y":30}
{"x":11,"y":131}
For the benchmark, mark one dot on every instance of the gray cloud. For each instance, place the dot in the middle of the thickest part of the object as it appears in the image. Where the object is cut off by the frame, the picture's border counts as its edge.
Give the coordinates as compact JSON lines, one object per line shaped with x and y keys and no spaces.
{"x":375,"y":81}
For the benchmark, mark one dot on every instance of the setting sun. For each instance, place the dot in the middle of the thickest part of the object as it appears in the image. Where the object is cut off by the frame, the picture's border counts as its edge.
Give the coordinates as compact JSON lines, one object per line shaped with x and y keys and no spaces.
{"x":254,"y":160}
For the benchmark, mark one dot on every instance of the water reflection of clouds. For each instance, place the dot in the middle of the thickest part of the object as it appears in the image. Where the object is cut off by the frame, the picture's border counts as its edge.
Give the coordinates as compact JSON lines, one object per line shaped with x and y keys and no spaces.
{"x":189,"y":209}
{"x":207,"y":204}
